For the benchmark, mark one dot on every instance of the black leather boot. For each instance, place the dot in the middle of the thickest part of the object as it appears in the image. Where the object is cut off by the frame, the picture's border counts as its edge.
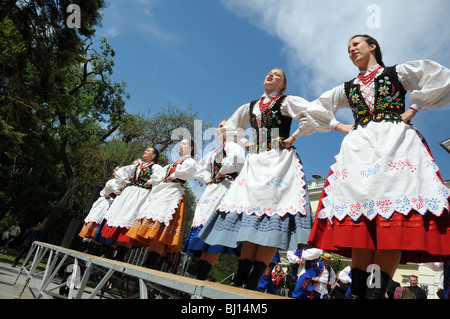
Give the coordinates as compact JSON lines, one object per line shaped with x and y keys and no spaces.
{"x":94,"y":249}
{"x":152,"y":260}
{"x":121,"y":252}
{"x":255,"y":276}
{"x":109,"y":252}
{"x":203,"y":268}
{"x":241,"y":275}
{"x":359,"y":284}
{"x":380,"y":292}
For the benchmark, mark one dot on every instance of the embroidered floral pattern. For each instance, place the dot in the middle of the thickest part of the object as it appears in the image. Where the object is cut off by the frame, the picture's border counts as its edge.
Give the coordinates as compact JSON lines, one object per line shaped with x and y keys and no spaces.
{"x":389,"y":96}
{"x":444,"y":191}
{"x":401,"y":165}
{"x":297,"y":206}
{"x":369,"y":208}
{"x":278,"y":182}
{"x":355,"y":211}
{"x":209,"y":200}
{"x":371,"y":171}
{"x":385,"y":208}
{"x":242,"y":182}
{"x":354,"y":96}
{"x":267,"y":124}
{"x":388,"y":101}
{"x":357,"y":104}
{"x":383,"y":90}
{"x":419,"y":203}
{"x":403,"y":205}
{"x":162,"y":215}
{"x":141,"y":174}
{"x":435,"y":202}
{"x":343,"y":173}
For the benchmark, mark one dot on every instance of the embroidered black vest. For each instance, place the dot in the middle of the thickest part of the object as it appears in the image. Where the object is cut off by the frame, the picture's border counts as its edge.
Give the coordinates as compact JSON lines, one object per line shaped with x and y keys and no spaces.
{"x":389,"y":100}
{"x":270,"y":119}
{"x":143,"y":177}
{"x":216,"y":165}
{"x":171,"y":169}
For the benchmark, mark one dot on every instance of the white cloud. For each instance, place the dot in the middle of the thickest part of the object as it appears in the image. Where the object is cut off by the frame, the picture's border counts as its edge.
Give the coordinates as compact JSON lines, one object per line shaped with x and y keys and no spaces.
{"x":315,"y":34}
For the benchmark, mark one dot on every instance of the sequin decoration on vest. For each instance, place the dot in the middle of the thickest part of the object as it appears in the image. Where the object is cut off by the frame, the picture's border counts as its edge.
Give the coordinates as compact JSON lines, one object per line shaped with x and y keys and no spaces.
{"x":389,"y":101}
{"x":270,"y":119}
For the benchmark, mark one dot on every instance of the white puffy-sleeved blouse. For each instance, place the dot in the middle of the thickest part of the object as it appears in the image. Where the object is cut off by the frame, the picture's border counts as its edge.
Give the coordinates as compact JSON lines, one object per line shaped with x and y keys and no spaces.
{"x":428,"y":81}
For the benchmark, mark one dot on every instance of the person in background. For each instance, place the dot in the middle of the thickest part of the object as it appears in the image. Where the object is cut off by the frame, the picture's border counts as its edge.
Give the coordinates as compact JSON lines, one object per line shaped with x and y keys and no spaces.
{"x":29,"y":237}
{"x":123,"y":211}
{"x":304,"y":288}
{"x":160,"y":222}
{"x":325,"y":278}
{"x":100,"y":207}
{"x":418,"y":292}
{"x":444,"y":282}
{"x":14,"y":232}
{"x":278,"y":278}
{"x":218,"y":170}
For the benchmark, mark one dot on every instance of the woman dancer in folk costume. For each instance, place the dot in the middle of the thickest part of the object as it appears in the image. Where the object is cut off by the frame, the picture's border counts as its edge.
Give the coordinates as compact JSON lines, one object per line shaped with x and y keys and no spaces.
{"x":161,"y":218}
{"x":267,"y":207}
{"x":125,"y":208}
{"x":384,"y":201}
{"x":102,"y":246}
{"x":218,"y":170}
{"x":100,"y":207}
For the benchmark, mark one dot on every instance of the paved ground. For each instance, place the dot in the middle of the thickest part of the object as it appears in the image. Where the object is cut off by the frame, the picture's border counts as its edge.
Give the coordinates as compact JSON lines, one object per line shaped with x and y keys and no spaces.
{"x":12,"y":289}
{"x":9,"y":288}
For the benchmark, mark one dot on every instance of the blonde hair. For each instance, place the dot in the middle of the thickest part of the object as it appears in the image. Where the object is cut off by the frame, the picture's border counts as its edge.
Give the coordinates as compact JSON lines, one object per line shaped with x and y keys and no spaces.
{"x":283,"y":90}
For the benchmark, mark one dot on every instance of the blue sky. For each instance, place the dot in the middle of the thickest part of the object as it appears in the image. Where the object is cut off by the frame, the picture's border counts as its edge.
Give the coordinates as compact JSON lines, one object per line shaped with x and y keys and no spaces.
{"x":214,"y":55}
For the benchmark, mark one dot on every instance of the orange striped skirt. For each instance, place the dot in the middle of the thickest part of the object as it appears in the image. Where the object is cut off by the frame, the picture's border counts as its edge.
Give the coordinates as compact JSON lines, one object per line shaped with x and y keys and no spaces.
{"x":89,"y":230}
{"x":148,"y":232}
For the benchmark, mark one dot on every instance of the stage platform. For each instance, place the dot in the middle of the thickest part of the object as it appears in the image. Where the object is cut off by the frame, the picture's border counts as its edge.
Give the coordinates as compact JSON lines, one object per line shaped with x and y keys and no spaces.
{"x":93,"y":277}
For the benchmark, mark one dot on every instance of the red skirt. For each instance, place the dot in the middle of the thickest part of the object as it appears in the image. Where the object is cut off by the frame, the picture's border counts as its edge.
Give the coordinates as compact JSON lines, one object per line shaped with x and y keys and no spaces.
{"x":119,"y":234}
{"x":422,"y":238}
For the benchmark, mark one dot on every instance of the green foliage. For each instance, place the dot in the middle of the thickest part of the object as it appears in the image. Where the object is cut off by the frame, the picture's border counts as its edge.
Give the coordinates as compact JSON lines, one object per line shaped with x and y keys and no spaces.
{"x":63,"y":124}
{"x":338,"y":263}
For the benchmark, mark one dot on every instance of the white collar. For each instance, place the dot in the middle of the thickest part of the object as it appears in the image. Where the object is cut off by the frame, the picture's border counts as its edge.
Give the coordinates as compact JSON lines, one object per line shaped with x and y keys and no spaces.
{"x":182,"y":158}
{"x":369,"y":70}
{"x":271,"y":95}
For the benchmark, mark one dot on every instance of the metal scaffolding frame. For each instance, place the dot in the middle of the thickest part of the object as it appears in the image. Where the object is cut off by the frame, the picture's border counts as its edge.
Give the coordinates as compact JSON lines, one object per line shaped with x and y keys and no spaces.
{"x":144,"y":282}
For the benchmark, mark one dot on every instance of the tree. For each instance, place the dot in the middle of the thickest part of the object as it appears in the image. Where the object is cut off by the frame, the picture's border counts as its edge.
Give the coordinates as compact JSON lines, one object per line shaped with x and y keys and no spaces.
{"x":36,"y":46}
{"x":41,"y":131}
{"x":86,"y":112}
{"x":63,"y":123}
